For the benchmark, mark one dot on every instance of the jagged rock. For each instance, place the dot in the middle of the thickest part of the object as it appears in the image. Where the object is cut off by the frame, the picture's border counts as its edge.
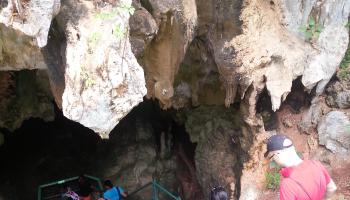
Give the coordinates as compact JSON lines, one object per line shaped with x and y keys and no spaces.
{"x":273,"y":46}
{"x":198,"y":80}
{"x":18,"y":52}
{"x":338,"y":95}
{"x":24,"y":94}
{"x":103,"y":80}
{"x":143,"y":28}
{"x":32,"y":17}
{"x":217,"y":139}
{"x":134,"y":159}
{"x":287,"y":122}
{"x":311,"y":118}
{"x":334,"y":132}
{"x":218,"y":23}
{"x":176,"y":21}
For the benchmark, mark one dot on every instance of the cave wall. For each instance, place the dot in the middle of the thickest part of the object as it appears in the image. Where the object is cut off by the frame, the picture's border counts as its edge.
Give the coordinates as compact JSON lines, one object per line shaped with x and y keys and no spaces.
{"x":24,"y":94}
{"x":186,"y":54}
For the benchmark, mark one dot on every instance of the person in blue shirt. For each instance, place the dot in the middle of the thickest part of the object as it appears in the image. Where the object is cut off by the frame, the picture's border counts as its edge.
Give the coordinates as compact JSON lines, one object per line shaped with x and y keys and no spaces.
{"x":113,"y":193}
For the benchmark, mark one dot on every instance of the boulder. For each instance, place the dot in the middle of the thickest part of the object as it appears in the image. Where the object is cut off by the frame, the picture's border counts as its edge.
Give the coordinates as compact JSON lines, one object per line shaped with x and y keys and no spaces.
{"x":334,"y":132}
{"x":338,"y":94}
{"x":103,"y":80}
{"x":32,"y":17}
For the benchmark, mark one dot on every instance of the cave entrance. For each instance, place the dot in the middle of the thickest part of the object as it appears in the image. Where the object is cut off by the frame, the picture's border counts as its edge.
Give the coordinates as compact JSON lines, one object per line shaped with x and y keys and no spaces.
{"x":295,"y":101}
{"x":40,"y":152}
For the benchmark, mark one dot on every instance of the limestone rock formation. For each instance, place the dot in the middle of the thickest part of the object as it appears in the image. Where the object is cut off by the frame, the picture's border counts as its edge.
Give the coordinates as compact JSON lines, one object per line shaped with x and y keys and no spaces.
{"x":334,"y":132}
{"x":25,"y":15}
{"x":312,"y":117}
{"x":219,"y":22}
{"x":17,"y":51}
{"x":24,"y":94}
{"x":339,"y":94}
{"x":103,"y":80}
{"x":176,"y":21}
{"x":272,"y":45}
{"x":143,"y":28}
{"x":218,"y":153}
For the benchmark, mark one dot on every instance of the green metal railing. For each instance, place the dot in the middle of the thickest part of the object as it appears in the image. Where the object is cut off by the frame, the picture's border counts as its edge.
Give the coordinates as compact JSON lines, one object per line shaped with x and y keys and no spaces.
{"x":60,"y":182}
{"x":156,"y":188}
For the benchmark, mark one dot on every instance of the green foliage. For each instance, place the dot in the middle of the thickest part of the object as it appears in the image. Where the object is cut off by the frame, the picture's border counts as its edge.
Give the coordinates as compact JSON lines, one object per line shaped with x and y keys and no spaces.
{"x":311,"y":30}
{"x":347,"y":25}
{"x":344,"y":70}
{"x":106,"y":15}
{"x":88,"y":81}
{"x":126,"y":8}
{"x":118,"y":31}
{"x":118,"y":10}
{"x":273,"y":180}
{"x":273,"y":165}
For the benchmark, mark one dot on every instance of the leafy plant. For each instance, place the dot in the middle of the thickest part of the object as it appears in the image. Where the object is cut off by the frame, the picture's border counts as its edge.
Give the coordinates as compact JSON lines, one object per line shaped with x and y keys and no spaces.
{"x":311,"y":30}
{"x":344,"y":70}
{"x":118,"y":31}
{"x":106,"y":15}
{"x":121,"y":8}
{"x":273,"y":165}
{"x":126,"y":8}
{"x":347,"y":25}
{"x":273,"y":180}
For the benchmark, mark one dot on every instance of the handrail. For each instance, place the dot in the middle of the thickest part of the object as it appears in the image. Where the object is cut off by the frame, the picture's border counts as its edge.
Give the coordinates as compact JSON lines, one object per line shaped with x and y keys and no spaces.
{"x":64,"y":181}
{"x":139,"y":189}
{"x":155,"y":187}
{"x":165,"y":191}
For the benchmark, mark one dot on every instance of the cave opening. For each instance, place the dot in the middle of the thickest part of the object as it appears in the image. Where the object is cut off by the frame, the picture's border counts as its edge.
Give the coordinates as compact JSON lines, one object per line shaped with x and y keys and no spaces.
{"x":40,"y":152}
{"x":264,"y":109}
{"x":298,"y":98}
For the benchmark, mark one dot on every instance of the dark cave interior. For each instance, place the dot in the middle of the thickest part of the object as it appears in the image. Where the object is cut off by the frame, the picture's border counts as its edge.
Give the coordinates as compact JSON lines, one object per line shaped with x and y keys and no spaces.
{"x":39,"y":152}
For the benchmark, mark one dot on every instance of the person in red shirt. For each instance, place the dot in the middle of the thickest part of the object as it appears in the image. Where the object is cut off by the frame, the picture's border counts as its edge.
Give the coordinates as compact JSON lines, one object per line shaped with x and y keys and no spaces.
{"x":302,"y":179}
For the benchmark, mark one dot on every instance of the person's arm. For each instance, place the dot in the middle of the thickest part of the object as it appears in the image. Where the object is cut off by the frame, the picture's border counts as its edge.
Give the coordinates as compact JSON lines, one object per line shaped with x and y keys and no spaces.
{"x":331,"y":188}
{"x":124,"y":194}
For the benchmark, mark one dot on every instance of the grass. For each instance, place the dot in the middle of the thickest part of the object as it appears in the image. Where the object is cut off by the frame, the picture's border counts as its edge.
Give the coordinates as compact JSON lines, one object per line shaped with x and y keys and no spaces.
{"x":273,"y":180}
{"x":344,"y":70}
{"x":311,"y":30}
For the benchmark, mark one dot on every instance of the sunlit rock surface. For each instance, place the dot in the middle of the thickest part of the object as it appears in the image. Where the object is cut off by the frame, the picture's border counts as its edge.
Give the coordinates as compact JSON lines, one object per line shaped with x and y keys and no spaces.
{"x":32,"y":17}
{"x":103,"y":80}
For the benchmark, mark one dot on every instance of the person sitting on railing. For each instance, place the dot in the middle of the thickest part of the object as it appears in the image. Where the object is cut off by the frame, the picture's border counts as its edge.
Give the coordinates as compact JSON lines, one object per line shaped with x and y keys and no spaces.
{"x":112,"y":193}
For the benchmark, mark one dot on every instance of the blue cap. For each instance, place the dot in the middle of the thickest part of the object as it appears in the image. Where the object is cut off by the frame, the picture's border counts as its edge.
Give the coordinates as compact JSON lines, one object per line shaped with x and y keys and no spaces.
{"x":277,"y":142}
